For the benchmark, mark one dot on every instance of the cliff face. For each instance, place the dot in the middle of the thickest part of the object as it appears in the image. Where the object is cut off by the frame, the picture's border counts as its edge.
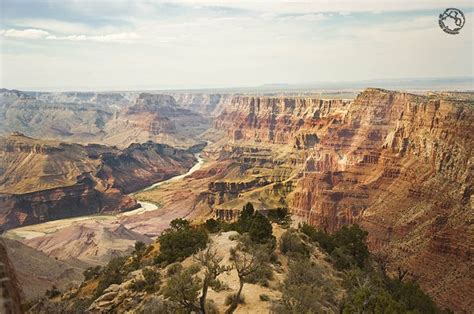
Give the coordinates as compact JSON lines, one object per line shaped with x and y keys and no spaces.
{"x":108,"y":118}
{"x":47,"y":180}
{"x":206,"y":104}
{"x":12,"y":296}
{"x":274,"y":120}
{"x":398,"y":164}
{"x":138,"y":165}
{"x":157,"y":118}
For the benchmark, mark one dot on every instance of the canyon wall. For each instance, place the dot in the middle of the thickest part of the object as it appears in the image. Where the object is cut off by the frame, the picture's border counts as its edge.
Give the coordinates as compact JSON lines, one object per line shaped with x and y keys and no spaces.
{"x":48,"y":180}
{"x":206,"y":104}
{"x":117,"y":119}
{"x":398,"y":164}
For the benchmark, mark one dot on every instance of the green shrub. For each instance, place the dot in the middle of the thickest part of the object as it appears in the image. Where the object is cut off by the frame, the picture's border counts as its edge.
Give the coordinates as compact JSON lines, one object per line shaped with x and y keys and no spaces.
{"x":230,"y":298}
{"x":306,"y":289}
{"x":281,"y":216}
{"x":140,"y":247}
{"x":291,"y":243}
{"x":113,"y":273}
{"x":352,"y":239}
{"x":264,"y":297}
{"x":260,"y":230}
{"x":150,"y":283}
{"x":91,"y":273}
{"x":54,"y":292}
{"x":245,"y":218}
{"x":341,"y":260}
{"x":183,"y":288}
{"x":367,"y":300}
{"x":212,"y":225}
{"x":174,"y":268}
{"x":411,"y":296}
{"x":349,"y":241}
{"x":180,"y":241}
{"x":325,"y":240}
{"x":138,"y":285}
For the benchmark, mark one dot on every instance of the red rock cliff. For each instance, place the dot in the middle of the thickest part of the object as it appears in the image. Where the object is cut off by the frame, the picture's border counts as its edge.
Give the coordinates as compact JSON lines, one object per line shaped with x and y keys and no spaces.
{"x":398,"y":164}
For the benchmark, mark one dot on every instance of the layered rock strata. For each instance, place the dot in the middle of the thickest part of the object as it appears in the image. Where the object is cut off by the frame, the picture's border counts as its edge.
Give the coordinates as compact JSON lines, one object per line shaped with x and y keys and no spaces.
{"x":108,"y":118}
{"x":398,"y":164}
{"x":47,"y":180}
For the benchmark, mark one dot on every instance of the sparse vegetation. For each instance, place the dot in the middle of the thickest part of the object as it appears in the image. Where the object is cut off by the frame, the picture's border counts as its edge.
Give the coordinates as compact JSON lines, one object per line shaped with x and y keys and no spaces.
{"x":180,"y":241}
{"x":245,"y":264}
{"x":113,"y":273}
{"x":230,"y":298}
{"x":369,"y":288}
{"x":92,"y":273}
{"x":355,"y":283}
{"x":182,"y":289}
{"x":346,"y":247}
{"x":292,"y":244}
{"x":211,"y":262}
{"x":53,"y":292}
{"x":264,"y":297}
{"x":150,"y":283}
{"x":212,"y":225}
{"x":306,"y":289}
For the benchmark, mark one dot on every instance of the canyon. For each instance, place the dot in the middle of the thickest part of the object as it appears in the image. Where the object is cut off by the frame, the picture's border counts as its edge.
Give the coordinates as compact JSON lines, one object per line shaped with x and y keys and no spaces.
{"x":119,"y":118}
{"x":398,"y":164}
{"x":42,"y":180}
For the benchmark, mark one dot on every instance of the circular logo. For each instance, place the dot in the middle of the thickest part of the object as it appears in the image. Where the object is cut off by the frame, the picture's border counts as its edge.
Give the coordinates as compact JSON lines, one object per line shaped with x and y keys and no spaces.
{"x":451,"y":21}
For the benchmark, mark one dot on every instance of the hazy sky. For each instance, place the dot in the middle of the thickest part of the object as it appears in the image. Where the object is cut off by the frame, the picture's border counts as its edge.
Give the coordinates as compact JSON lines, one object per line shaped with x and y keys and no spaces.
{"x":80,"y":44}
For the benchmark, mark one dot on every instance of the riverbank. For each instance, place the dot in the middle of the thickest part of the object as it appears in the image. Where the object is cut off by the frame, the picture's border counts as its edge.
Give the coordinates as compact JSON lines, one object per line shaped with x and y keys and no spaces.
{"x":50,"y":227}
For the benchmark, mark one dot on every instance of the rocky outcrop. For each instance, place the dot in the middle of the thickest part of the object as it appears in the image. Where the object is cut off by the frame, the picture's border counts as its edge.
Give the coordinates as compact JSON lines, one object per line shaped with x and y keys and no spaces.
{"x":47,"y":180}
{"x":399,"y":164}
{"x":12,"y":296}
{"x":36,"y":272}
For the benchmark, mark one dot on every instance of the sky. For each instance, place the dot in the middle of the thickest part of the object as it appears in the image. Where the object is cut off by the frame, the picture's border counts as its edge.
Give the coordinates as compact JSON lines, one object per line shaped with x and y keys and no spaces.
{"x":127,"y":45}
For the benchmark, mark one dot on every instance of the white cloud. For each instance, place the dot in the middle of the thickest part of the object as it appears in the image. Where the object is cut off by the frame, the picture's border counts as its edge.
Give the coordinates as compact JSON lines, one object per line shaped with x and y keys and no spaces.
{"x":314,"y":17}
{"x":29,"y":33}
{"x":126,"y":37}
{"x":109,"y":38}
{"x":53,"y":25}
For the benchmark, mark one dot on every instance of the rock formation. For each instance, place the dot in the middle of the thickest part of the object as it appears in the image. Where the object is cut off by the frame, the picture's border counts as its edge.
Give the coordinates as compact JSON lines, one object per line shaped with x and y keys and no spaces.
{"x":47,"y":180}
{"x":11,"y":296}
{"x":36,"y":272}
{"x":398,"y":164}
{"x":206,"y":104}
{"x":108,"y":118}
